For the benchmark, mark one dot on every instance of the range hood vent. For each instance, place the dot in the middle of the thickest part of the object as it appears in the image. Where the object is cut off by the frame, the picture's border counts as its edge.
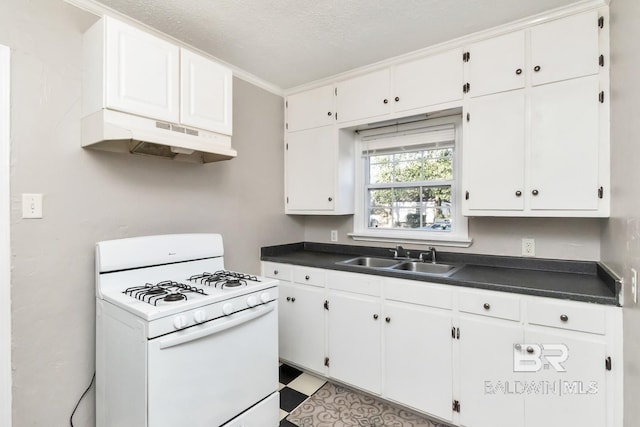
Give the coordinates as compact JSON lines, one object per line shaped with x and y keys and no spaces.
{"x":110,"y":130}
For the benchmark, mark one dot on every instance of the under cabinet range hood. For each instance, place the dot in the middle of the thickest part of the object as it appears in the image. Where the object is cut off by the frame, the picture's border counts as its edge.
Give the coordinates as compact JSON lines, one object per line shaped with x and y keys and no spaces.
{"x":110,"y":130}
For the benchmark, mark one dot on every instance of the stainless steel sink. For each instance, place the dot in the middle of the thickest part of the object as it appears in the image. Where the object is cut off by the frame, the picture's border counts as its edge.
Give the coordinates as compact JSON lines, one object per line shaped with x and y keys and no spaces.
{"x":427,"y":268}
{"x":371,"y":262}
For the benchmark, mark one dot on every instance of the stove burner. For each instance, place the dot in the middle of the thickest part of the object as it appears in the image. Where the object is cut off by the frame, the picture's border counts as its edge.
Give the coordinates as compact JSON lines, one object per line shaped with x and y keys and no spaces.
{"x":223,"y":279}
{"x":175,"y":297}
{"x":167,"y":290}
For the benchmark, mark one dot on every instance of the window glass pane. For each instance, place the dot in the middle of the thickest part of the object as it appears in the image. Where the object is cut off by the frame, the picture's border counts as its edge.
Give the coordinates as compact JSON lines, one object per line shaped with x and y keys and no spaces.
{"x":438,"y":164}
{"x":408,"y":170}
{"x":381,"y":169}
{"x":380,"y":202}
{"x":406,"y":206}
{"x":436,"y":207}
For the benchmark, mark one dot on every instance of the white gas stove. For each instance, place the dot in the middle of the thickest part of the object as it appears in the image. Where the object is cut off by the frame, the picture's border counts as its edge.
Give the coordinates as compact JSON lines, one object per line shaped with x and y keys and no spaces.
{"x":166,"y":301}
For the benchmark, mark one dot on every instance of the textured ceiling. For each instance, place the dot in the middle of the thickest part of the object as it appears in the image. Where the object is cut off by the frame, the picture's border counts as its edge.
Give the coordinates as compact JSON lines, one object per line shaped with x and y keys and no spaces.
{"x":292,"y":42}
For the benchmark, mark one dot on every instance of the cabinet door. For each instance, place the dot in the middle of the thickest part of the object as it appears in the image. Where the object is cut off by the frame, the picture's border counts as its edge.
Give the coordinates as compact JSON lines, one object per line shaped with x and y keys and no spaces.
{"x":576,"y":397}
{"x":354,"y":340}
{"x":311,"y":109}
{"x":497,"y":65}
{"x":363,"y":97}
{"x":421,"y":377}
{"x":564,"y":145}
{"x":565,"y":48}
{"x":487,"y":380}
{"x":142,"y":73}
{"x":428,"y":81}
{"x":301,"y":326}
{"x":205,"y":93}
{"x":311,"y":169}
{"x":493,"y":152}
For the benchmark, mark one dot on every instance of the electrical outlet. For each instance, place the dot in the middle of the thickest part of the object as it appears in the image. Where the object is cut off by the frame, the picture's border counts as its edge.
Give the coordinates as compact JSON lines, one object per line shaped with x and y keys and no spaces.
{"x":634,"y":285}
{"x":528,"y":247}
{"x":334,"y":235}
{"x":31,"y":205}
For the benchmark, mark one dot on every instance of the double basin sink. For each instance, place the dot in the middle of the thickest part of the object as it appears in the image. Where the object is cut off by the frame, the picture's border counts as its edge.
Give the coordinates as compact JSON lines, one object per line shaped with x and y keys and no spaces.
{"x":403,"y":265}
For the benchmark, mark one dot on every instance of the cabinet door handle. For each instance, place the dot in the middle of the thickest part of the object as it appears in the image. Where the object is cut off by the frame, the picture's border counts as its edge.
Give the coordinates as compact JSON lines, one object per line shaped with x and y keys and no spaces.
{"x":387,"y":319}
{"x":536,"y":68}
{"x":293,"y":299}
{"x":518,"y":193}
{"x":535,"y":192}
{"x":386,"y":101}
{"x":517,"y":347}
{"x":330,"y":199}
{"x":275,"y":272}
{"x":529,"y":350}
{"x":487,"y":306}
{"x":564,"y":317}
{"x":519,"y":71}
{"x":375,"y":317}
{"x":288,"y":298}
{"x":306,"y":277}
{"x":397,"y":98}
{"x":329,"y":113}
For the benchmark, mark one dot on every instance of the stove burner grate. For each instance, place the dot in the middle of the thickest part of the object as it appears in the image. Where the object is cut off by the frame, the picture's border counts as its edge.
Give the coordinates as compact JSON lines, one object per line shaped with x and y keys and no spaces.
{"x":168,"y":291}
{"x":223,"y":279}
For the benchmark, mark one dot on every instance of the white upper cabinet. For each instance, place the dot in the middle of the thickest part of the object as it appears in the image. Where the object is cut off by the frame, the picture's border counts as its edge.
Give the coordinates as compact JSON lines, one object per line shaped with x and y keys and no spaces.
{"x":564,"y":145}
{"x":565,"y":48}
{"x":364,"y":96}
{"x":131,"y":71}
{"x":142,"y":72}
{"x":206,"y":93}
{"x":493,"y":161}
{"x":497,"y":64}
{"x":310,"y":109}
{"x":428,"y":81}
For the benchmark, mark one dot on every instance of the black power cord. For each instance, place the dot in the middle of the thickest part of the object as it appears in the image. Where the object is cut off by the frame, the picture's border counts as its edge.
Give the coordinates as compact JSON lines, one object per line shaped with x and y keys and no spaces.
{"x":93,"y":378}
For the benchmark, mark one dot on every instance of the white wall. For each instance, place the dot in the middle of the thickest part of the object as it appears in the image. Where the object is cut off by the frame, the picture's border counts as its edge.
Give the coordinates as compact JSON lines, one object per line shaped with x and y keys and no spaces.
{"x":91,"y":196}
{"x":5,"y":249}
{"x":563,"y":238}
{"x":621,"y":236}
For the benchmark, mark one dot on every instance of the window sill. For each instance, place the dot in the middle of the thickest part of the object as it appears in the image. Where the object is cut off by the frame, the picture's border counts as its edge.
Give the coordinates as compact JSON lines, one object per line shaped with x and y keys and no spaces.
{"x":413,"y":238}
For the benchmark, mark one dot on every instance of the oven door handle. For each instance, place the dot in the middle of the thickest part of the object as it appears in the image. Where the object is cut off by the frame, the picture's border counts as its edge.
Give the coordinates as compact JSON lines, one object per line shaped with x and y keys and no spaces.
{"x":221,"y":325}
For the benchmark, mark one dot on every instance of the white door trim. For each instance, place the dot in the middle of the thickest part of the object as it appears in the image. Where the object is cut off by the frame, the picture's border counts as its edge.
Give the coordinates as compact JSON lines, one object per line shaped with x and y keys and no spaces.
{"x":5,"y":241}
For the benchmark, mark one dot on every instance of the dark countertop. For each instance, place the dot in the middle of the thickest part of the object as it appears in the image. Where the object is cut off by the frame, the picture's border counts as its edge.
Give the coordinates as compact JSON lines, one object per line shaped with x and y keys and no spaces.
{"x":574,"y":280}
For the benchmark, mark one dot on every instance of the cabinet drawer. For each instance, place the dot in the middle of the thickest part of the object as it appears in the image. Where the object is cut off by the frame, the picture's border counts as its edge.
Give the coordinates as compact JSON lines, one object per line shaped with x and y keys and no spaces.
{"x":364,"y":284}
{"x":277,"y":271}
{"x":309,"y":276}
{"x":418,"y":293}
{"x":490,"y":304}
{"x":567,"y":316}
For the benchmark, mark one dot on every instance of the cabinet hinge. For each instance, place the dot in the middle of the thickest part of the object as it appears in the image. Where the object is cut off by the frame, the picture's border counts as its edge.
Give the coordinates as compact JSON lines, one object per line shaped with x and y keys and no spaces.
{"x":466,"y":195}
{"x":336,"y":115}
{"x":607,"y":363}
{"x":455,"y":333}
{"x":466,"y":56}
{"x":601,"y":60}
{"x":468,"y":116}
{"x":456,"y":406}
{"x":601,"y":22}
{"x":326,"y":362}
{"x":326,"y":304}
{"x":466,"y":88}
{"x":286,"y":146}
{"x":601,"y":97}
{"x":286,"y":126}
{"x":287,"y":200}
{"x":335,"y":91}
{"x":600,"y":193}
{"x":286,"y":104}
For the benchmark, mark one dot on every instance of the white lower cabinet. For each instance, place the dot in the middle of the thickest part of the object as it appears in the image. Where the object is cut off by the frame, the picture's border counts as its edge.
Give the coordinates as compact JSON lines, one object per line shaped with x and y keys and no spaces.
{"x":473,"y":358}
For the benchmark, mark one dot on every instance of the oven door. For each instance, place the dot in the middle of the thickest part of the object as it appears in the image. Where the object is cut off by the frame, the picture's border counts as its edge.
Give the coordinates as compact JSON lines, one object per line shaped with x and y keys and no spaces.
{"x":208,"y":374}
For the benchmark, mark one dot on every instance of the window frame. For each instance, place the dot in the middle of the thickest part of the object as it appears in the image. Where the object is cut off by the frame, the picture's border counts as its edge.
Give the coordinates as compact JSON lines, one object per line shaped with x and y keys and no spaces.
{"x":459,"y":234}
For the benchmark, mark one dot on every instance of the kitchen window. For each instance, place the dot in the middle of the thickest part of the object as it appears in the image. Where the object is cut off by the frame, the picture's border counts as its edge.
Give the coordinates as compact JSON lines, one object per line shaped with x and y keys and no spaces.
{"x":408,"y":183}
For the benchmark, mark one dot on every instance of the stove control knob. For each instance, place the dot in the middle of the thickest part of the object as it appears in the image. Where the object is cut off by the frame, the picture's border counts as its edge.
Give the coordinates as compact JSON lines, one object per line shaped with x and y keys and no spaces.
{"x":180,"y":322}
{"x":227,"y":309}
{"x":265,"y":297}
{"x":199,"y":316}
{"x":252,"y":301}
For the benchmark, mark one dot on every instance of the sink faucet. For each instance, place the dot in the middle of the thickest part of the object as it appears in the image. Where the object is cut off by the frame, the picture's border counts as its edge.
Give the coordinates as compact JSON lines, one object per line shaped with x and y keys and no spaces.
{"x":432,"y":252}
{"x":400,"y":252}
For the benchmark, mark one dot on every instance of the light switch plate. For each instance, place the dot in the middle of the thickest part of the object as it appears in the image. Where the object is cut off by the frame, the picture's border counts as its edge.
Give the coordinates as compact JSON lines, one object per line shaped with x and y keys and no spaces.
{"x":31,"y":205}
{"x":334,"y":235}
